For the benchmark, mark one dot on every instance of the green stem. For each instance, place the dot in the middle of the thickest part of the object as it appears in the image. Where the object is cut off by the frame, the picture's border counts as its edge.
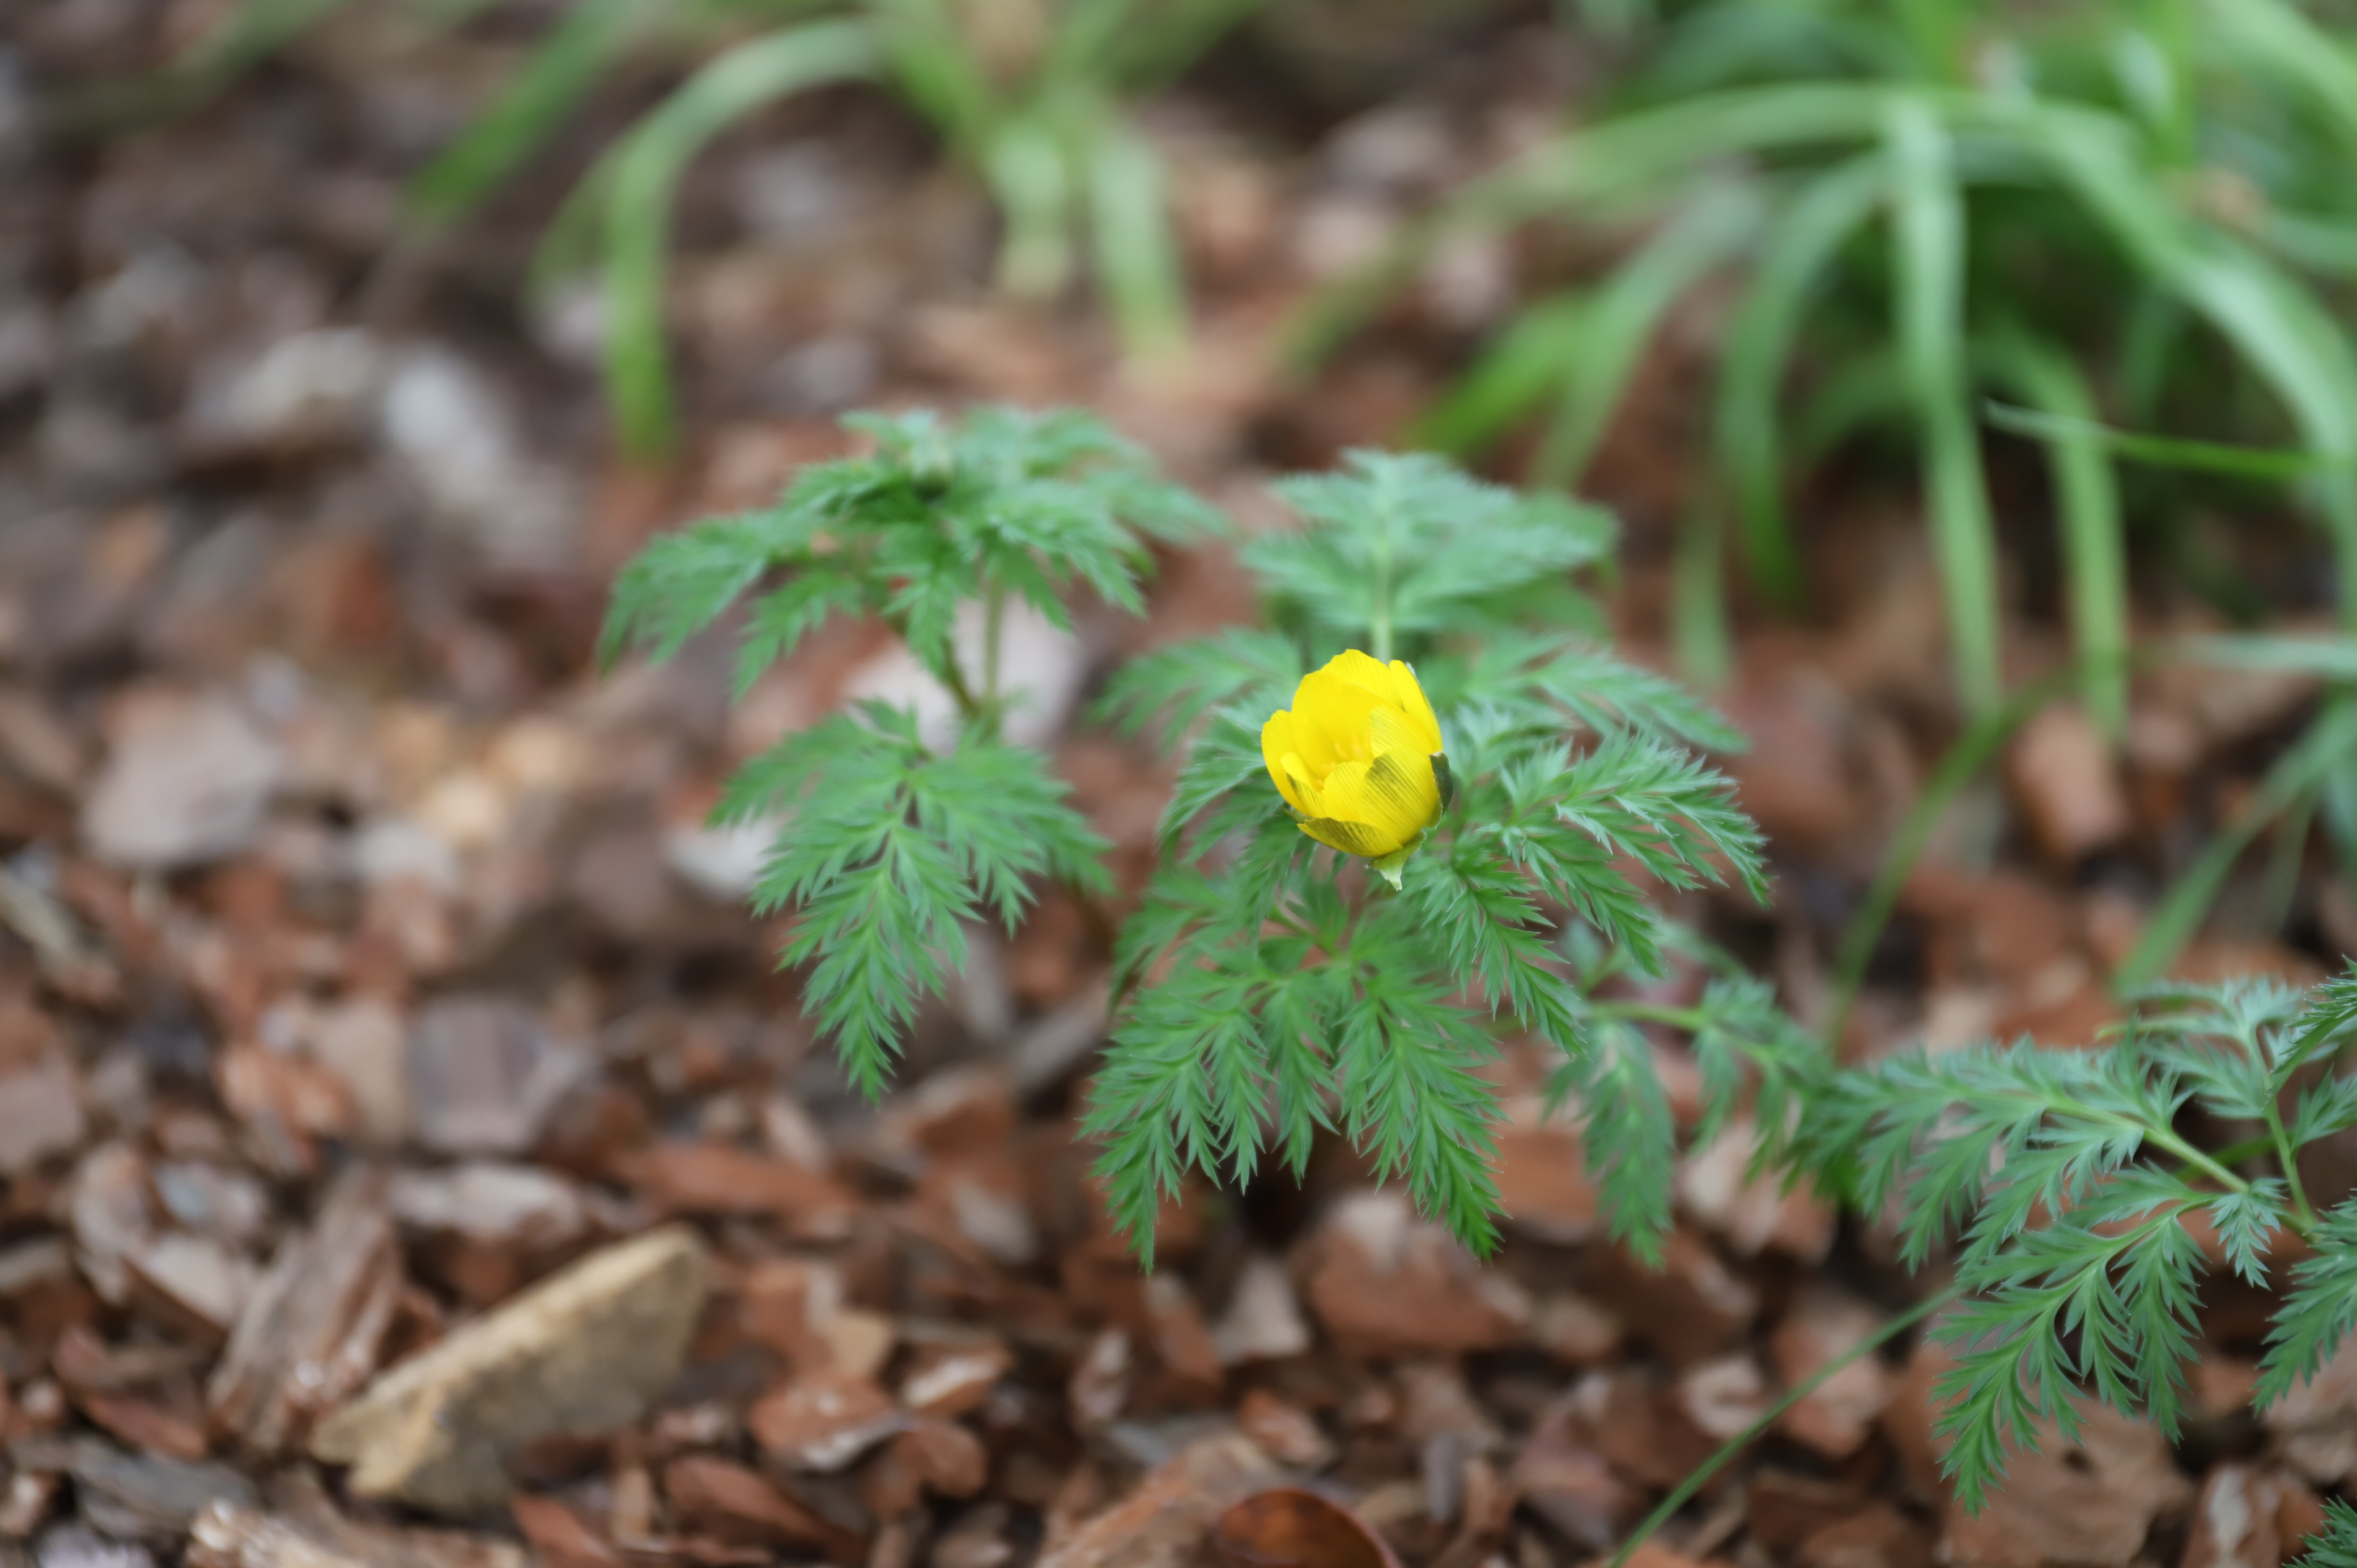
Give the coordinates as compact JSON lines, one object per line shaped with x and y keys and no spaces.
{"x":2303,"y":1213}
{"x":2235,"y":1154}
{"x":1685,"y":1490}
{"x":2194,"y":1158}
{"x":994,"y":625}
{"x":963,"y":694}
{"x":1379,"y":629}
{"x":1690,"y":1019}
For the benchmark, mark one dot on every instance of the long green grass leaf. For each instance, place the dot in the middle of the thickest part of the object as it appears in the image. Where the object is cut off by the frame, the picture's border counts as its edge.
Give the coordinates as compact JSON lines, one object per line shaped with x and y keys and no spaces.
{"x":1032,"y":180}
{"x":2159,"y":451}
{"x":2328,"y":658}
{"x":1929,"y":243}
{"x":1511,"y":378}
{"x":933,"y":63}
{"x":2087,"y":500}
{"x":1972,"y":752}
{"x":2292,"y":340}
{"x":1811,"y":231}
{"x":1137,"y":252}
{"x":1636,"y":153}
{"x":645,"y":173}
{"x":592,"y":34}
{"x":2272,"y":40}
{"x":1626,"y":312}
{"x":2296,"y":777}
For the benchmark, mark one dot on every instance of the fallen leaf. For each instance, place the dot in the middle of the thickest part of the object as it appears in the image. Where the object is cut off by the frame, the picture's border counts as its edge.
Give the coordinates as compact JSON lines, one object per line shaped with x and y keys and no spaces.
{"x":1286,"y":1527}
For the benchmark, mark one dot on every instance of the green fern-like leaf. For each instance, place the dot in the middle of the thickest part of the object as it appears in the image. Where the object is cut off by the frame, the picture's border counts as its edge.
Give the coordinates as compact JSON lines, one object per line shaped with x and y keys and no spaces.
{"x":1170,"y":690}
{"x":2334,"y":1546}
{"x":885,"y":850}
{"x":1629,"y":1140}
{"x":1413,"y":542}
{"x":2318,"y":1313}
{"x":2118,"y":1276}
{"x":937,"y":515}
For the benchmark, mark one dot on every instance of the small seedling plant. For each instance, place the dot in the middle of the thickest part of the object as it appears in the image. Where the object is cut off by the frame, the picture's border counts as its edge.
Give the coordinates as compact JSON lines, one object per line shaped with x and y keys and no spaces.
{"x":1417,"y":803}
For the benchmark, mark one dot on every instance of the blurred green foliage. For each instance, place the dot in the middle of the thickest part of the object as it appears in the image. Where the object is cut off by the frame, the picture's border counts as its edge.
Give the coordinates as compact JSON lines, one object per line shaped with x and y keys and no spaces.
{"x":2124,"y":208}
{"x":1031,"y":95}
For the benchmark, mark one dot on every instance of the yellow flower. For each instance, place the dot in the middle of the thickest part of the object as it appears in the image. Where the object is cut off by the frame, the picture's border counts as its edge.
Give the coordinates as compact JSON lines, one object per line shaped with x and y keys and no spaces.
{"x":1358,"y":759}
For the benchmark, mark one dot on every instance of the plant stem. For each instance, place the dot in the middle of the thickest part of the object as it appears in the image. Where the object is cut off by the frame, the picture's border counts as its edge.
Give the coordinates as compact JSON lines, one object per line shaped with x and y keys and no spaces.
{"x":994,"y":625}
{"x":1685,"y":1490}
{"x":1379,"y":627}
{"x":954,"y":679}
{"x":1690,"y":1019}
{"x":2196,"y":1160}
{"x":2303,"y":1213}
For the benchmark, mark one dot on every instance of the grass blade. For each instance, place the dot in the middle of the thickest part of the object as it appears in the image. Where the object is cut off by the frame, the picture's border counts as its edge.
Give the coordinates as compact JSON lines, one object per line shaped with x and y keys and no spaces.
{"x":1699,"y":627}
{"x":1177,"y":34}
{"x":2292,"y":785}
{"x":1697,"y":1478}
{"x":2311,"y":241}
{"x":1928,"y":213}
{"x":1869,"y":389}
{"x":2087,"y":500}
{"x":2273,"y":39}
{"x":645,"y":173}
{"x":1803,"y":243}
{"x":1029,"y":175}
{"x":1973,"y":751}
{"x":2328,"y":658}
{"x":1509,"y":380}
{"x":1638,"y":152}
{"x":2159,"y":451}
{"x":1625,"y":313}
{"x":556,"y":78}
{"x":935,"y":68}
{"x":2291,"y":339}
{"x":1136,"y":253}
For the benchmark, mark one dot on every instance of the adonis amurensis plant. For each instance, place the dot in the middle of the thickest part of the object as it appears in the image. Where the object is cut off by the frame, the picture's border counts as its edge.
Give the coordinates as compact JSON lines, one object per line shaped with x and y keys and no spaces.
{"x":1413,"y":808}
{"x":1418,"y":802}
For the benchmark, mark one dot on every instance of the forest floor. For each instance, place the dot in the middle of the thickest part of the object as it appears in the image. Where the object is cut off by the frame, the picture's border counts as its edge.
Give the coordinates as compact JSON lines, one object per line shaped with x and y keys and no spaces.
{"x":364,"y":958}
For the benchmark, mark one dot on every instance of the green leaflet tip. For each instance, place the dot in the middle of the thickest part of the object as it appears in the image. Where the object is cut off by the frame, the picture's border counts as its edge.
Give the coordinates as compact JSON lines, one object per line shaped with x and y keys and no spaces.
{"x":1389,"y":867}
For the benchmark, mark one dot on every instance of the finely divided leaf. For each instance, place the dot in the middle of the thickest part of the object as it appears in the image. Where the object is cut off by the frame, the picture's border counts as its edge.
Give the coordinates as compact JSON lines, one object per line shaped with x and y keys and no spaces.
{"x":2318,"y":1314}
{"x":2334,"y":1546}
{"x":1629,"y":1140}
{"x":1170,"y":690}
{"x":885,"y":850}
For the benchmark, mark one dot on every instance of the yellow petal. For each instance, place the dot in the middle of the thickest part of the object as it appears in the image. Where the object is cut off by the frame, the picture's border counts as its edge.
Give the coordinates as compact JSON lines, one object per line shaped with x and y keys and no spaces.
{"x":1364,"y":671}
{"x":1396,"y":798}
{"x":1276,"y":744}
{"x":1330,"y":721}
{"x":1391,"y":733}
{"x":1351,"y":838}
{"x":1408,"y":698}
{"x":1302,"y":789}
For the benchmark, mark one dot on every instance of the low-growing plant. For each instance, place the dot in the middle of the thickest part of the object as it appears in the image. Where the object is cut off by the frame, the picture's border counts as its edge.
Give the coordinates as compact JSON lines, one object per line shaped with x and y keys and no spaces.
{"x":1414,"y":805}
{"x":2080,"y":1196}
{"x":1034,"y":100}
